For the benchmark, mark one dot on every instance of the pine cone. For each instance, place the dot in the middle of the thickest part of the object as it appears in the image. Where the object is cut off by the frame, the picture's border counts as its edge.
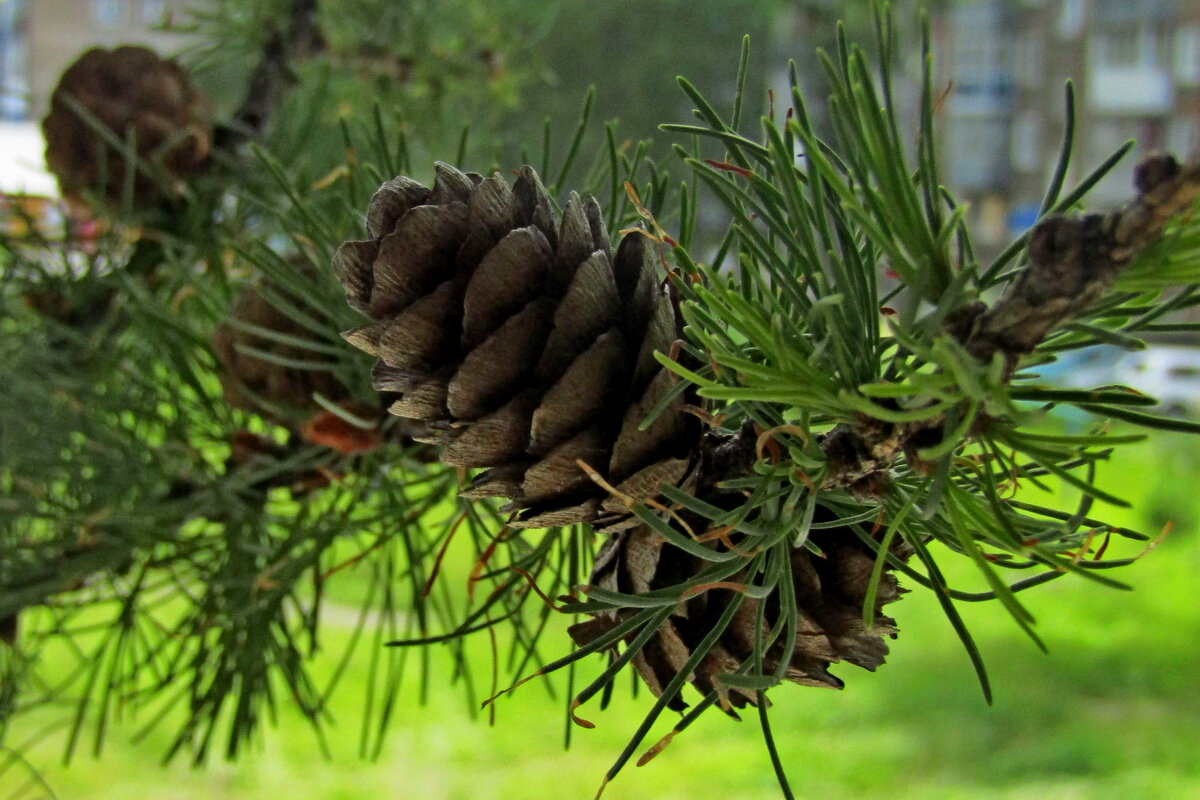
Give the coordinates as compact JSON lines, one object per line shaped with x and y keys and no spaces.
{"x":830,"y":590}
{"x":279,"y":393}
{"x":524,"y":342}
{"x":527,"y":345}
{"x":132,"y":92}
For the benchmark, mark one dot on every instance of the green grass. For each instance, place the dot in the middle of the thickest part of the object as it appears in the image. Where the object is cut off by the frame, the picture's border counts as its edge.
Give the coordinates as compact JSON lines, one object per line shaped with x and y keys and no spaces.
{"x":1112,"y":712}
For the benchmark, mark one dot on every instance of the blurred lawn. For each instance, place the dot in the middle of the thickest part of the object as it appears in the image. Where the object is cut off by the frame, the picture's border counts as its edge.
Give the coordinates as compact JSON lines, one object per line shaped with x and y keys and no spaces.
{"x":1112,"y":712}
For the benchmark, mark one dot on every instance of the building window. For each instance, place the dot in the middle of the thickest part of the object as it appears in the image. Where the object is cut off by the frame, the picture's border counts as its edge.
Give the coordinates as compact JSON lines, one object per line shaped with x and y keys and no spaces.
{"x":1070,"y":19}
{"x":1130,"y":47}
{"x":108,"y":13}
{"x":1183,"y":136}
{"x":1121,"y":47}
{"x":1030,"y":59}
{"x":1104,"y":136}
{"x":14,"y":74}
{"x":1187,"y":55}
{"x":978,"y":61}
{"x":1101,"y":138}
{"x":153,"y":12}
{"x":1026,"y":146}
{"x":975,"y":149}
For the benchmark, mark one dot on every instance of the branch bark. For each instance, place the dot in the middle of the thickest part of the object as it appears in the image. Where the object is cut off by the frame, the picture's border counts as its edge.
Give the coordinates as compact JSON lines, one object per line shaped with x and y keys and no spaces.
{"x":299,"y":38}
{"x":1073,"y":260}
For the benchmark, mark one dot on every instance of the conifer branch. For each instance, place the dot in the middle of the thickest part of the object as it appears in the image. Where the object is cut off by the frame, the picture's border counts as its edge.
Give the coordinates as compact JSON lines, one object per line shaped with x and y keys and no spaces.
{"x":299,"y":37}
{"x":1073,"y":260}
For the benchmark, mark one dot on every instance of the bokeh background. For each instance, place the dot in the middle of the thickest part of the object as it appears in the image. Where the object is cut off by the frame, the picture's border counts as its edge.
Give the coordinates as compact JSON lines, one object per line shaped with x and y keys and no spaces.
{"x":1111,"y":712}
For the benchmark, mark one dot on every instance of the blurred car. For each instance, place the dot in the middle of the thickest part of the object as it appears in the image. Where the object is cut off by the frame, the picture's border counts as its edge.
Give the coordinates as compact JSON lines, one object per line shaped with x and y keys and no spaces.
{"x":13,"y":108}
{"x":1169,"y":373}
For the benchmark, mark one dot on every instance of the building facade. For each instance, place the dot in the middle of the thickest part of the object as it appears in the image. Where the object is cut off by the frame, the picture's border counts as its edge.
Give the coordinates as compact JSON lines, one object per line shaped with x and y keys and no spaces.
{"x":1135,"y":67}
{"x":40,"y":38}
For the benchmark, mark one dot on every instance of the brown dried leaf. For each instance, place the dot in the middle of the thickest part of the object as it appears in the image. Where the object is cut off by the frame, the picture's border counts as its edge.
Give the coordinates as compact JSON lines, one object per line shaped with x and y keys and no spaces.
{"x":554,"y":517}
{"x":352,"y":265}
{"x":595,"y":218}
{"x":533,"y":206}
{"x":495,"y":438}
{"x":588,"y":631}
{"x":851,"y":640}
{"x":426,"y":400}
{"x":608,"y":561}
{"x":635,"y":448}
{"x":661,"y":331}
{"x":450,"y":185}
{"x":421,"y":337}
{"x":365,"y":337}
{"x":390,"y":379}
{"x":575,"y":243}
{"x":635,"y":273}
{"x":643,"y":549}
{"x":491,"y":214}
{"x":588,"y":309}
{"x":502,"y":481}
{"x":557,"y":474}
{"x":647,"y":482}
{"x":662,"y":658}
{"x":717,"y":662}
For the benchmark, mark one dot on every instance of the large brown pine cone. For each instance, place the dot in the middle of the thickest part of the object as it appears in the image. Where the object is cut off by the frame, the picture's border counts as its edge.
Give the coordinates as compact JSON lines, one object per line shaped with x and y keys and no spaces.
{"x":132,"y":92}
{"x":526,"y":343}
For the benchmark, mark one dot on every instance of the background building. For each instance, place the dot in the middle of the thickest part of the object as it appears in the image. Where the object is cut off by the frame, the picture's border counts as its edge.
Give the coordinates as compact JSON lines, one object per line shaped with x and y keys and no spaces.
{"x":1135,"y":64}
{"x":1136,"y":70}
{"x":40,"y":38}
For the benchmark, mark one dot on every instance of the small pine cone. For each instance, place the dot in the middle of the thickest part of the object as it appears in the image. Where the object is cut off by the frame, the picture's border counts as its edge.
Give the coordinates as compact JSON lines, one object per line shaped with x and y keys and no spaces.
{"x":524,"y":341}
{"x":280,"y":393}
{"x":132,"y":92}
{"x":830,"y":590}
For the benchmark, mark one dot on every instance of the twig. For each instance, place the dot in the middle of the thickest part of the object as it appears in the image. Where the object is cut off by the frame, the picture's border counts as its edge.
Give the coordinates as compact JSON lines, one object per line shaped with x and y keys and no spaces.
{"x":1072,"y":262}
{"x":299,"y":38}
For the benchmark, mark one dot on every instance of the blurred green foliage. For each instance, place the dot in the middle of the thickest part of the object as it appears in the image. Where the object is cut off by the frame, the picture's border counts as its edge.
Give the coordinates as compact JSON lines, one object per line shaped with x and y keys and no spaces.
{"x":632,"y":51}
{"x":1112,"y":712}
{"x":502,"y":69}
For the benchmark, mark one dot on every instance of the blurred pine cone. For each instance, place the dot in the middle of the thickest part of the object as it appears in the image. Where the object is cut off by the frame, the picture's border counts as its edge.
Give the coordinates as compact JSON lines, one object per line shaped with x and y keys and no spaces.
{"x":528,"y":346}
{"x":133,"y":93}
{"x":525,"y":342}
{"x":263,"y":381}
